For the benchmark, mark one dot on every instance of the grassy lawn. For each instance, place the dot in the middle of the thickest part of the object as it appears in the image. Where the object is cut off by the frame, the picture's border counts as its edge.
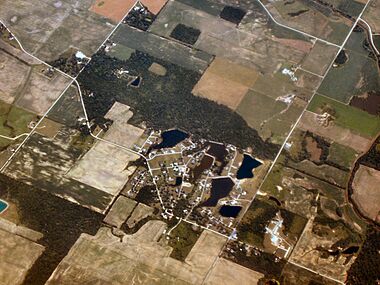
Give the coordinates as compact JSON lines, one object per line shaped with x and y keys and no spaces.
{"x":358,"y":121}
{"x":182,"y":240}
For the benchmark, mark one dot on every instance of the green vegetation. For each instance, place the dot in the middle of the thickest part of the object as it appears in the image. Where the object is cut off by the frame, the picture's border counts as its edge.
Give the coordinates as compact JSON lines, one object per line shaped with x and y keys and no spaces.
{"x":13,"y":122}
{"x":340,"y":32}
{"x":182,"y":240}
{"x":356,"y":76}
{"x":252,"y":228}
{"x":60,"y":221}
{"x":372,"y":157}
{"x":121,"y":52}
{"x":165,"y":102}
{"x":358,"y":121}
{"x":342,"y":155}
{"x":366,"y":268}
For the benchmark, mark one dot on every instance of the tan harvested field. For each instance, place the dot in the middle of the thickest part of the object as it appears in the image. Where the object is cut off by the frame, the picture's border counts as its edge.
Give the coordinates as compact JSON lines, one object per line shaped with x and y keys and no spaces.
{"x":157,"y":69}
{"x":17,"y":256}
{"x":13,"y":74}
{"x":220,"y":90}
{"x":13,"y":227}
{"x":104,"y":165}
{"x":228,"y":272}
{"x":116,"y":9}
{"x":143,"y":258}
{"x":295,"y":44}
{"x":313,"y":149}
{"x":372,"y":15}
{"x":234,"y":72}
{"x":24,"y":84}
{"x":334,"y":133}
{"x":226,"y":82}
{"x":120,"y":211}
{"x":307,"y":81}
{"x":49,"y":128}
{"x":366,"y":192}
{"x":204,"y":252}
{"x":17,"y":53}
{"x":320,"y":57}
{"x":121,"y":132}
{"x":40,"y":91}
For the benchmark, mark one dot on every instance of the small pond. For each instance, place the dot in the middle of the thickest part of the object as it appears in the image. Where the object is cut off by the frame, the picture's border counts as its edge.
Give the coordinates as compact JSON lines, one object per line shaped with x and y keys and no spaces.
{"x":230,"y":211}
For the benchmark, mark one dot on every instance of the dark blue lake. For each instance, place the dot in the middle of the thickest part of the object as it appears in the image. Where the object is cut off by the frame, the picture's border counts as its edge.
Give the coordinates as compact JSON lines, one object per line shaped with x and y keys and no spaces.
{"x":246,"y":168}
{"x":171,"y":138}
{"x":230,"y":211}
{"x":220,"y":188}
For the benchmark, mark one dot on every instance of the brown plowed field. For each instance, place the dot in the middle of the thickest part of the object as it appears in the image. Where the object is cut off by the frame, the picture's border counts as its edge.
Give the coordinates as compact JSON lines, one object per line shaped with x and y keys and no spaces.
{"x":115,"y":10}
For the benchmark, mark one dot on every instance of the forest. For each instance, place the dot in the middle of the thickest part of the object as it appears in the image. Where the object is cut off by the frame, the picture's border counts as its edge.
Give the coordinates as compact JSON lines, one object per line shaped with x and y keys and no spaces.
{"x":165,"y":102}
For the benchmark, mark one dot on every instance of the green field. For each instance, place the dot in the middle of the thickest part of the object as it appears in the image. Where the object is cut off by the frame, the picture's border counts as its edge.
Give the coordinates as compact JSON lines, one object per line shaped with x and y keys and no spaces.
{"x":342,"y":155}
{"x":341,"y":83}
{"x":182,"y":240}
{"x":13,"y":121}
{"x":121,"y":52}
{"x":358,"y":121}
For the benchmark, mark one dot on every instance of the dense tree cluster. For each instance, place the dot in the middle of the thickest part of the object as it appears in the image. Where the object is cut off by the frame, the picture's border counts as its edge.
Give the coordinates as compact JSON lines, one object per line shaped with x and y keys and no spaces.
{"x":372,"y":157}
{"x":147,"y":195}
{"x":256,"y":219}
{"x":60,"y":221}
{"x":69,"y":65}
{"x":140,"y":17}
{"x":366,"y":268}
{"x":165,"y":102}
{"x":185,"y":34}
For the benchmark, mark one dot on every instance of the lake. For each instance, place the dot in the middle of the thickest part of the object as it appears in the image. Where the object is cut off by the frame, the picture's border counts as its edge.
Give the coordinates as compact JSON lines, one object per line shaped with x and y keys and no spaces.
{"x":171,"y":138}
{"x":230,"y":211}
{"x":246,"y":168}
{"x":220,"y":188}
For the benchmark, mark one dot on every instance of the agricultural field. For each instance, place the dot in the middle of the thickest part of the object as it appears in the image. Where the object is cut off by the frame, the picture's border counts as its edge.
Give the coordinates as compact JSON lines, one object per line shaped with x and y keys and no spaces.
{"x":283,"y":52}
{"x":372,"y":15}
{"x":318,"y":20}
{"x":347,"y":117}
{"x":116,"y":10}
{"x":188,"y":142}
{"x":357,"y":76}
{"x":49,"y":29}
{"x":364,"y":186}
